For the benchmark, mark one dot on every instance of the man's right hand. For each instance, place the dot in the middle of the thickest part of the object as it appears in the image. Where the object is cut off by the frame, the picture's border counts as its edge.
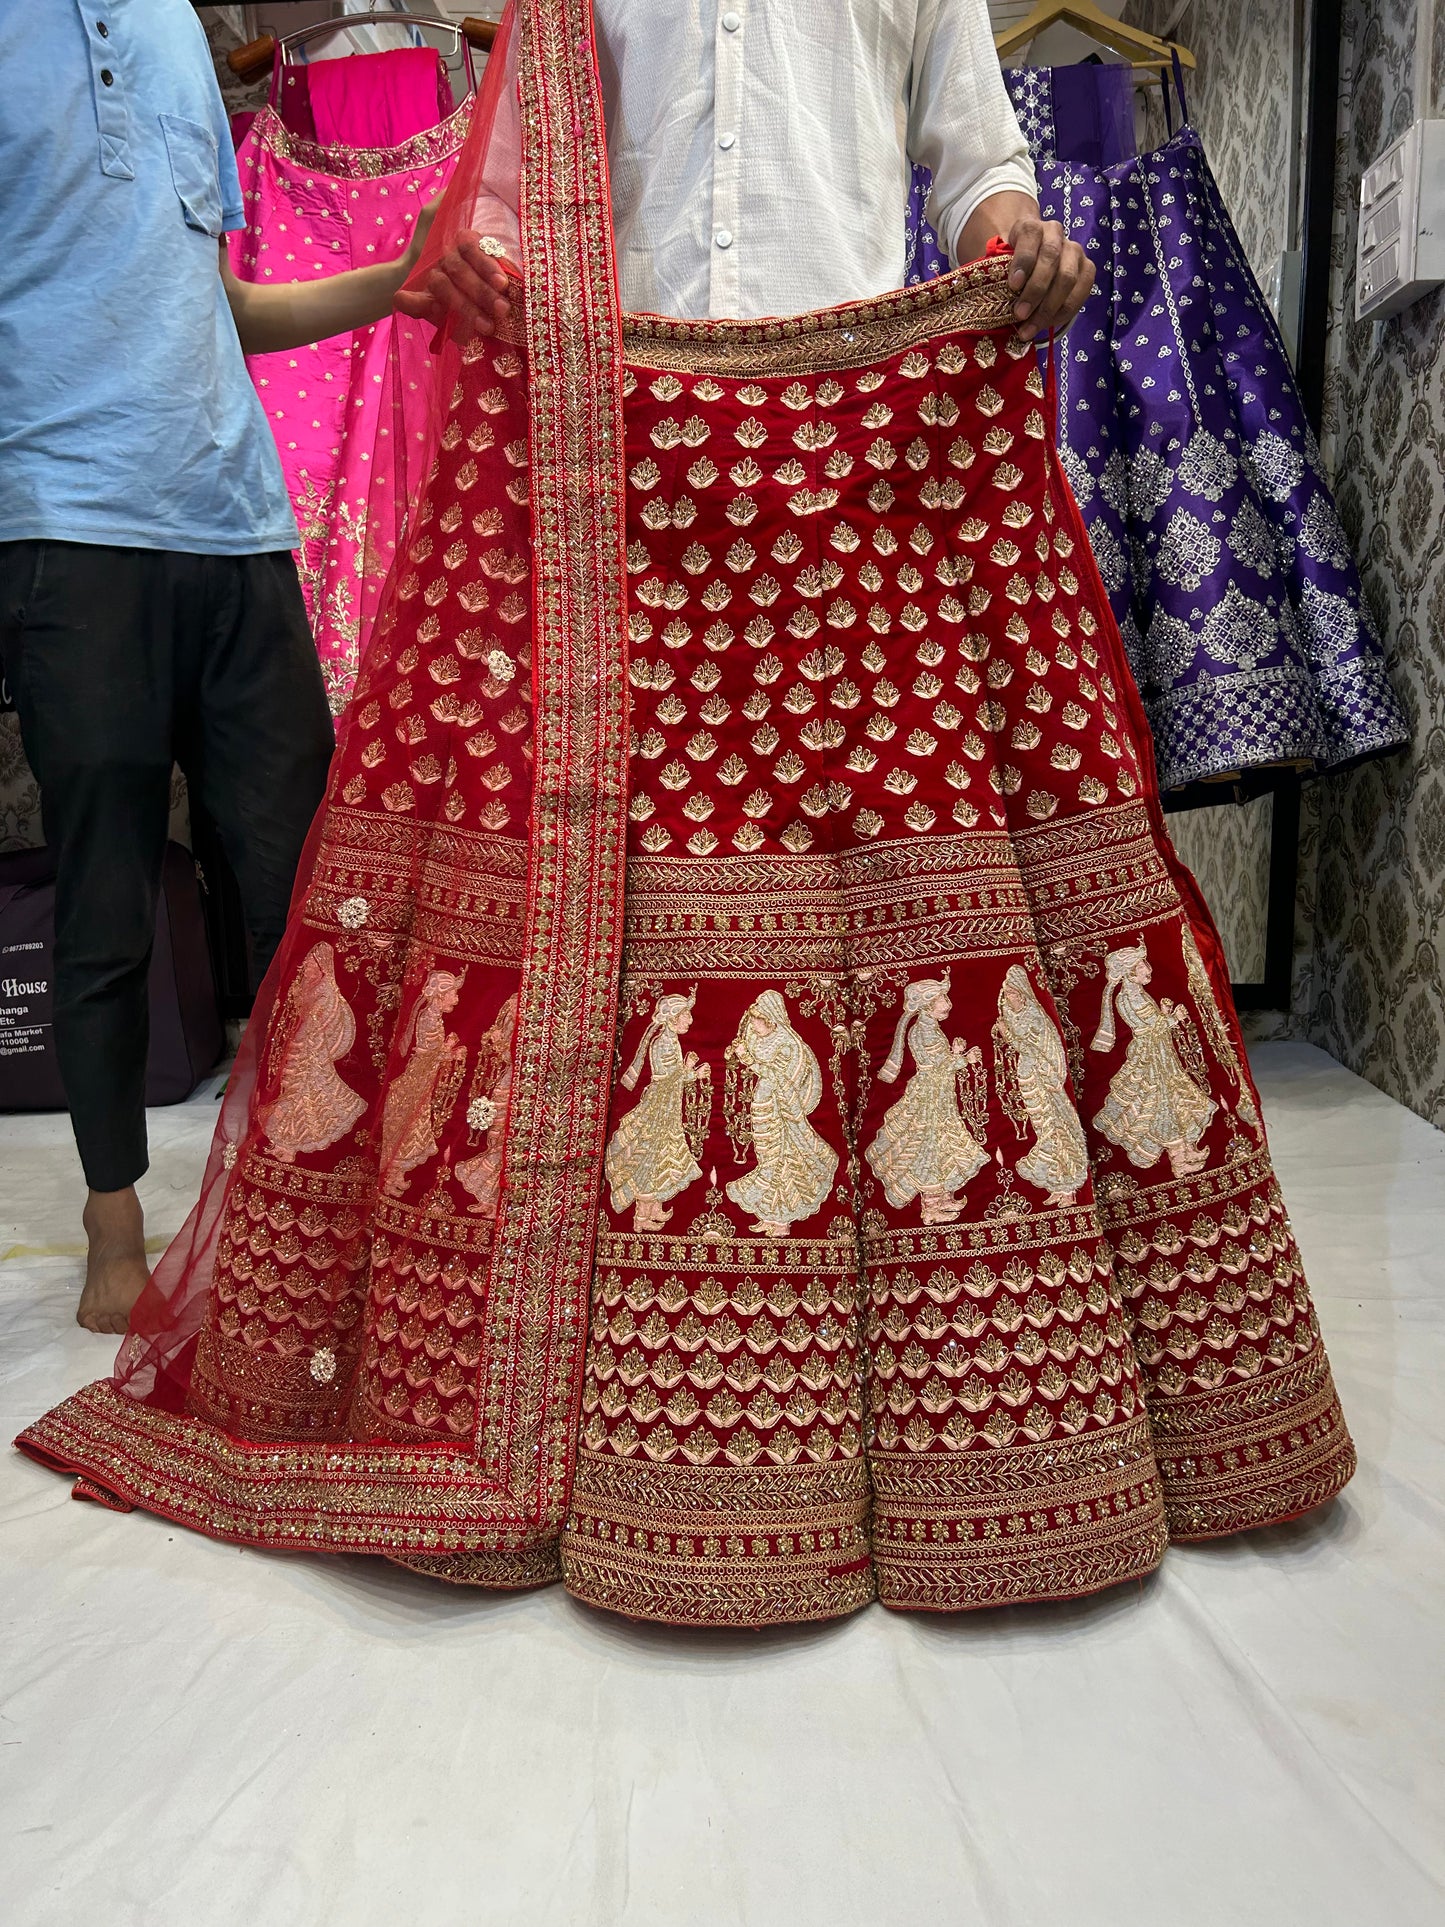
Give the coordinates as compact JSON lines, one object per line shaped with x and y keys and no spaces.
{"x":466,"y":283}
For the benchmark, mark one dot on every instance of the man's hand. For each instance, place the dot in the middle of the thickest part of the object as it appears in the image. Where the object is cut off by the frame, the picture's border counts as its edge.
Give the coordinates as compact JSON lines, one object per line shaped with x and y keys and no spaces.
{"x":473,"y":286}
{"x":1051,"y":276}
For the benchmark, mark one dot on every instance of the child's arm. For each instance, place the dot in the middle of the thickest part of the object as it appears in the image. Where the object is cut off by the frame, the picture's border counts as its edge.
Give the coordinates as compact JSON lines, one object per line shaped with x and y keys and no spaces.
{"x":271,"y":316}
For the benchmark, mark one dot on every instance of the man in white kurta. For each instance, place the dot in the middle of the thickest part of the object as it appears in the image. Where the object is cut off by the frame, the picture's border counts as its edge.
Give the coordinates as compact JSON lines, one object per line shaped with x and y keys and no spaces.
{"x":761,"y":154}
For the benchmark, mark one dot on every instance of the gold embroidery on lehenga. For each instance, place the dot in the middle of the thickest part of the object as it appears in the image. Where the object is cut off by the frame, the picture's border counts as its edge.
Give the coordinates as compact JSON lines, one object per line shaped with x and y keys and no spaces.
{"x":999,"y":1342}
{"x":652,"y":1155}
{"x":1033,"y":1079}
{"x":975,"y":297}
{"x":1215,"y":1027}
{"x":708,"y":1547}
{"x":488,"y":1111}
{"x":924,"y":1149}
{"x":418,"y":1098}
{"x":303,"y":1497}
{"x":1154,"y":1108}
{"x":723,"y":1475}
{"x":314,"y":1107}
{"x":1039,"y":1521}
{"x":794,"y":1167}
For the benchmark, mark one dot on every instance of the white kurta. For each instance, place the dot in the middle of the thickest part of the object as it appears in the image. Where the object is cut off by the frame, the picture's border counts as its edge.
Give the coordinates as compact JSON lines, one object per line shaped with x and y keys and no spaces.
{"x":761,"y":149}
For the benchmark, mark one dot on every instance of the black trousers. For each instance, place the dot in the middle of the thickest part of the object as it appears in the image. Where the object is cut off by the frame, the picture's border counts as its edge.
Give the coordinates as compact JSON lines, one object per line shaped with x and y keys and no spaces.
{"x":121,"y":662}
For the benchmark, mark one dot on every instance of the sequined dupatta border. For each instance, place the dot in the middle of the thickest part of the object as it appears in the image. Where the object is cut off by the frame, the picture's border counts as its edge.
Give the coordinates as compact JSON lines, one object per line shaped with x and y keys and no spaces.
{"x":507,"y":1488}
{"x":567,"y":1016}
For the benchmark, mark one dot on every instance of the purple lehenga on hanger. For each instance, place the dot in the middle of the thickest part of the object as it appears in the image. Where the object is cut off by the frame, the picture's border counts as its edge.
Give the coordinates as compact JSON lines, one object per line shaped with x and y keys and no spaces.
{"x":1185,"y":439}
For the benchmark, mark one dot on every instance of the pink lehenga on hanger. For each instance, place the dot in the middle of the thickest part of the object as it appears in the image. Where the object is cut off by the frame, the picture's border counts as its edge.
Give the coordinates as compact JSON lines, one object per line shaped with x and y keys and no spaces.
{"x":876,"y":1203}
{"x":333,"y":173}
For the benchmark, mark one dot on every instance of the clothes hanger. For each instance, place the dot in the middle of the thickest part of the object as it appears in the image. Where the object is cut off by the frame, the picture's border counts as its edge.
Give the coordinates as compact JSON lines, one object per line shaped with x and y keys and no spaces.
{"x":1141,"y":49}
{"x":258,"y":56}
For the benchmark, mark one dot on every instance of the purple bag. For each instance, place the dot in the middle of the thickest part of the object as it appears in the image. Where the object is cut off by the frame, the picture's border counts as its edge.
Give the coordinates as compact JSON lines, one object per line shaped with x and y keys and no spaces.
{"x":187,"y":1037}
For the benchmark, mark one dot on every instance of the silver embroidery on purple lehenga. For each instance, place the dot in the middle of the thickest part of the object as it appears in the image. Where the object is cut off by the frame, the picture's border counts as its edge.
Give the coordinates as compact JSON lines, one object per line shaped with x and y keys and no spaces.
{"x":1184,"y":437}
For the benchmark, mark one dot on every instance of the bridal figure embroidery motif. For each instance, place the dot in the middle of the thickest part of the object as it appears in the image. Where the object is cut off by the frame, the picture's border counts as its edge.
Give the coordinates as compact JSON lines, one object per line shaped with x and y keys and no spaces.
{"x":489,"y":1110}
{"x":794,"y":1170}
{"x":1033,"y":1068}
{"x":314,"y":1107}
{"x":652,"y":1156}
{"x":1154,"y":1107}
{"x":409,"y":1121}
{"x":1215,"y":1028}
{"x":924,"y":1149}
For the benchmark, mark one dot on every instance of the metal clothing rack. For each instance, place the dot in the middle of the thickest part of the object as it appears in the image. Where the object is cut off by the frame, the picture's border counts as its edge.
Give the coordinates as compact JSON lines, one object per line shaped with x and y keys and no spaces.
{"x":257,"y":56}
{"x":1275,"y":990}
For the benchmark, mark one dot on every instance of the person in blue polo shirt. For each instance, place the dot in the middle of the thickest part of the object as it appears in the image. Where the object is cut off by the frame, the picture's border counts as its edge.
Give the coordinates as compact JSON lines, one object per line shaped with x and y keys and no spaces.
{"x":149,"y":605}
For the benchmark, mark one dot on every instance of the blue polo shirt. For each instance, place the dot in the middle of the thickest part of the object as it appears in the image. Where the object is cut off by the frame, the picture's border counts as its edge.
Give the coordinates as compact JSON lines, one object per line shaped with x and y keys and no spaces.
{"x":127,"y":417}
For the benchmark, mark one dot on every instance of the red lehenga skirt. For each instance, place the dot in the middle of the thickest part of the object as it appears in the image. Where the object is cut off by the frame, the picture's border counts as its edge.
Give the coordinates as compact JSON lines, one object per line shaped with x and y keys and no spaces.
{"x":933,"y":1249}
{"x":747,"y":1114}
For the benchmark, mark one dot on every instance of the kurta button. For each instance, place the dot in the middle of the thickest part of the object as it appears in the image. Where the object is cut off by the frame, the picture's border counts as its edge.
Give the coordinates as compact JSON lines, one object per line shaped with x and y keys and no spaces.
{"x":724,"y":237}
{"x":107,"y":77}
{"x":102,"y":30}
{"x":731,"y":22}
{"x":726,"y":140}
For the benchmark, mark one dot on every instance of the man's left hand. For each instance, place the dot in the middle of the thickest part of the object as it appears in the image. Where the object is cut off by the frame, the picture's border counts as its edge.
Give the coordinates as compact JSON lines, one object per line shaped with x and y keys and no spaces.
{"x":1051,"y":276}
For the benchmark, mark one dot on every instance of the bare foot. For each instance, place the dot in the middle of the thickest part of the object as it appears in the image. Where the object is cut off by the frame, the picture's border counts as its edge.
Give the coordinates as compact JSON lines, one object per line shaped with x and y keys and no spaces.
{"x":116,"y":1272}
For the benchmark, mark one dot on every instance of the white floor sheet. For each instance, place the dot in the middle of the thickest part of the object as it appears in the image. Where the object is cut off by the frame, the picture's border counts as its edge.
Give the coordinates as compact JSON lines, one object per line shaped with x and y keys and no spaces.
{"x":192,"y":1735}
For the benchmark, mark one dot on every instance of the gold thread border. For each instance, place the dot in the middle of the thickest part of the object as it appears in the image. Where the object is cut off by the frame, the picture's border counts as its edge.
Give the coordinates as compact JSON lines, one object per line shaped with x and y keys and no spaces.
{"x":346,"y":163}
{"x":975,"y":299}
{"x":529,"y":1383}
{"x":326,"y":1497}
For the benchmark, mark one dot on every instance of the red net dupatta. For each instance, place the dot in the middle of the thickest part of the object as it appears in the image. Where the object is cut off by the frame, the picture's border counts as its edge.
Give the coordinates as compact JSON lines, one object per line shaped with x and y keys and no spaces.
{"x":369,"y":1334}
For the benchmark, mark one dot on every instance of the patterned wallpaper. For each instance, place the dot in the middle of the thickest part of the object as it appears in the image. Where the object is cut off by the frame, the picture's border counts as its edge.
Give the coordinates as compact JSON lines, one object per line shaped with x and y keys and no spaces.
{"x":1378,"y":999}
{"x":1241,"y":98}
{"x":1368,"y":980}
{"x":1228,"y":851}
{"x":226,"y":29}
